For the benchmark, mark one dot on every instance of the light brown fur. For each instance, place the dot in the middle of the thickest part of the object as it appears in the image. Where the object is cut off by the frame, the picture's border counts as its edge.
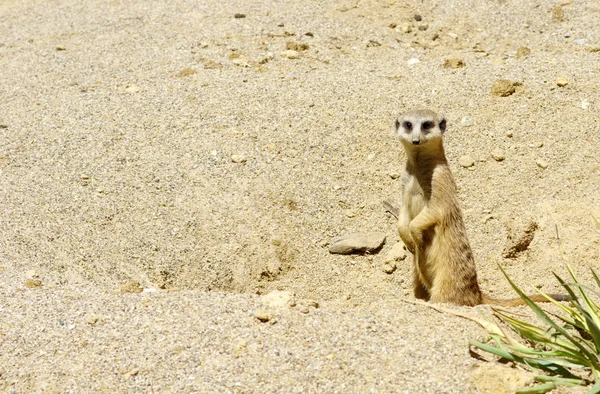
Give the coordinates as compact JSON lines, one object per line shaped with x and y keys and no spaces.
{"x":430,"y":221}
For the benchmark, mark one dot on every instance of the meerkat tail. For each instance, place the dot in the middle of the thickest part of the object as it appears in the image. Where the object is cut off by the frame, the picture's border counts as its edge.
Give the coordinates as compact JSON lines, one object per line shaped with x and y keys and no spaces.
{"x":391,"y":208}
{"x":519,"y":301}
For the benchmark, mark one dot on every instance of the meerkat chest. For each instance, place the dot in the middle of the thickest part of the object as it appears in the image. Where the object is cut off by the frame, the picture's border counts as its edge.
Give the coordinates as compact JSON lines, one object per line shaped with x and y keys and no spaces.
{"x":414,"y":197}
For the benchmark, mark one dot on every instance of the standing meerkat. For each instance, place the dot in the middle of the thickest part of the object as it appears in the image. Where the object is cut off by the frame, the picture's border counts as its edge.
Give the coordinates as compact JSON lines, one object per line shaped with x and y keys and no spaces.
{"x":430,"y":221}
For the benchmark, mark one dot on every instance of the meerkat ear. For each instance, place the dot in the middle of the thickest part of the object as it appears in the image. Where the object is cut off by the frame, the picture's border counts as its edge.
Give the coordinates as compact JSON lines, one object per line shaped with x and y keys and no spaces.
{"x":443,"y":125}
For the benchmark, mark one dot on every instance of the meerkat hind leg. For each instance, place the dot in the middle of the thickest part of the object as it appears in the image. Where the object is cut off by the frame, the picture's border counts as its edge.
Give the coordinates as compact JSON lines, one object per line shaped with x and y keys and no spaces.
{"x":419,"y":288}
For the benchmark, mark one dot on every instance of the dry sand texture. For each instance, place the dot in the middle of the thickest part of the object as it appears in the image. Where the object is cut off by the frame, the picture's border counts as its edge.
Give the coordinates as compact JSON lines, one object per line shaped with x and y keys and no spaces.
{"x":212,"y":158}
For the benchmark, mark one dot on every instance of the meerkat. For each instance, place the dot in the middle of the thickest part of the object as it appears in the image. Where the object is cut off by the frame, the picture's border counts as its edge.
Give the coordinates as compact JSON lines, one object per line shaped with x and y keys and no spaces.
{"x":430,"y":221}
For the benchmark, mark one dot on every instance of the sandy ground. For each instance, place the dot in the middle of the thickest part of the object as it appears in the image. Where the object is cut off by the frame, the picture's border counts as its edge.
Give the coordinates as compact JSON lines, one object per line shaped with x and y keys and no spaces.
{"x":174,"y":144}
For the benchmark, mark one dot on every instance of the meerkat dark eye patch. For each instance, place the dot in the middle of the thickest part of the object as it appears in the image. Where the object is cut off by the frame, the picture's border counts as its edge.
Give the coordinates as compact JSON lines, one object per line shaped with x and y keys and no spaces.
{"x":397,"y":124}
{"x":427,"y":125}
{"x":407,"y":125}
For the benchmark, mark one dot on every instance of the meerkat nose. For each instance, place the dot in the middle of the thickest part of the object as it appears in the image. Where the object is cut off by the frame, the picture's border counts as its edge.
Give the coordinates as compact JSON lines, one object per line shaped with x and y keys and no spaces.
{"x":416,"y":142}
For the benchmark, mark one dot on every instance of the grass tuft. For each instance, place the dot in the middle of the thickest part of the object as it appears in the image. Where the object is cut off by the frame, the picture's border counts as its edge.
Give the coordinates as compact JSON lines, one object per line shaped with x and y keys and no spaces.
{"x":566,"y":347}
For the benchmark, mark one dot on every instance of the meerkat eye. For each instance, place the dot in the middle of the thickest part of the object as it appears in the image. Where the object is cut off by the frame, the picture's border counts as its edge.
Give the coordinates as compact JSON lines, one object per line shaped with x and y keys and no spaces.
{"x":407,"y":125}
{"x":427,"y":125}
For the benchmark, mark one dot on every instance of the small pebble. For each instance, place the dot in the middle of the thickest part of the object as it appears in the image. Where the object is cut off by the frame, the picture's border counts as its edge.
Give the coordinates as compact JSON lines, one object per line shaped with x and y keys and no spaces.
{"x":131,"y":287}
{"x":263,"y":315}
{"x":303,"y":309}
{"x":558,"y":14}
{"x":418,"y":17}
{"x":585,"y":104}
{"x":412,"y":61}
{"x":562,"y":82}
{"x":239,"y":16}
{"x":32,"y":283}
{"x":397,"y":253}
{"x":389,"y":267}
{"x":309,"y":302}
{"x":132,"y":89}
{"x":238,"y":158}
{"x":186,"y":72}
{"x":296,"y":46}
{"x":406,"y":28}
{"x":504,"y":88}
{"x":349,"y":213}
{"x":277,"y":299}
{"x":454,"y":63}
{"x":541,"y":163}
{"x":509,"y":134}
{"x":523,"y":52}
{"x":395,"y":174}
{"x":356,"y":243}
{"x":466,"y":161}
{"x":498,"y":154}
{"x":423,"y":27}
{"x":466,"y":121}
{"x":290,"y":54}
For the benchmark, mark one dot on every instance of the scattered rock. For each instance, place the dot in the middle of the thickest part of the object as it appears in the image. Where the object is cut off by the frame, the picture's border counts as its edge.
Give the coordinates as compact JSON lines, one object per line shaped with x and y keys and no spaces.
{"x":493,"y":378}
{"x":60,"y":48}
{"x":406,"y":28}
{"x":542,"y":163}
{"x":558,"y":14}
{"x":466,"y":121}
{"x":389,"y":267}
{"x":304,"y":309}
{"x":396,"y":253}
{"x":309,"y":302}
{"x":186,"y":72}
{"x":412,"y":61}
{"x":562,"y":82}
{"x":238,"y":158}
{"x":263,"y":315}
{"x":267,"y":58}
{"x":466,"y":161}
{"x":278,"y":299}
{"x":212,"y":65}
{"x":498,"y":154}
{"x":290,"y":54}
{"x":509,"y":134}
{"x":454,"y":63}
{"x":373,"y":43}
{"x":585,"y":104}
{"x":296,"y":46}
{"x":131,"y":287}
{"x":418,"y":17}
{"x":423,"y":27}
{"x":395,"y":174}
{"x":349,"y":213}
{"x":240,"y":348}
{"x":504,"y":87}
{"x":520,"y":235}
{"x":132,"y":89}
{"x":32,"y":283}
{"x":241,"y":61}
{"x":239,"y":16}
{"x":357,"y":243}
{"x":523,"y":52}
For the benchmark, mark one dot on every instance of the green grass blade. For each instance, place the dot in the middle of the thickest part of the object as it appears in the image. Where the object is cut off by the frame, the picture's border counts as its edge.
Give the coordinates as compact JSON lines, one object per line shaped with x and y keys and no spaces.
{"x":593,"y":330}
{"x":560,"y":381}
{"x":539,"y":389}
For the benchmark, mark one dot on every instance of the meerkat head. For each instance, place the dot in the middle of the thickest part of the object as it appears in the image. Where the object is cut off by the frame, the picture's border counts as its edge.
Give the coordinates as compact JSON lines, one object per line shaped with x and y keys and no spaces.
{"x":418,"y":127}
